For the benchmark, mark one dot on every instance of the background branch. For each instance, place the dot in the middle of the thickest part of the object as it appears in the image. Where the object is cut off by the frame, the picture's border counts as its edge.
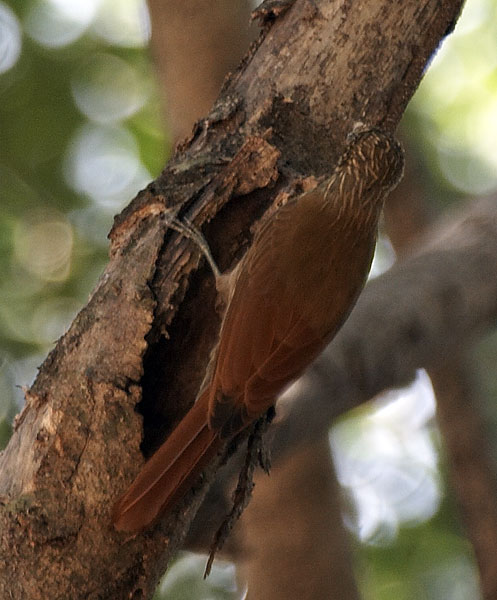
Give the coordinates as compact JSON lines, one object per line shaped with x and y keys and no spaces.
{"x":195,"y":44}
{"x":413,"y":316}
{"x":471,"y":469}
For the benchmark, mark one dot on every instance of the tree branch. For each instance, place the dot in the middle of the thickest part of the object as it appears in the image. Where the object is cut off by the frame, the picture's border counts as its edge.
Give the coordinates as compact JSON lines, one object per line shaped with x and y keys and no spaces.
{"x":148,"y":328}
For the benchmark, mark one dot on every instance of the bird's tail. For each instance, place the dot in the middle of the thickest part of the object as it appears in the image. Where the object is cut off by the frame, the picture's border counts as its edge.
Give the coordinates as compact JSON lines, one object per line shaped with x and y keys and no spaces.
{"x":170,"y":472}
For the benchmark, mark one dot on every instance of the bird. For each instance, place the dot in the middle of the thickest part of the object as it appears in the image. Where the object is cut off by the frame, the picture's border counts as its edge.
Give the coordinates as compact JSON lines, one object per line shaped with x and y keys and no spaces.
{"x":291,"y":293}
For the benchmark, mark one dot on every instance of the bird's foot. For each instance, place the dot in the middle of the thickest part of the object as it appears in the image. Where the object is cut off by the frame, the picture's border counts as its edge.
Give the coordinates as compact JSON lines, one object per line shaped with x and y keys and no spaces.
{"x":186,"y":228}
{"x":257,"y":454}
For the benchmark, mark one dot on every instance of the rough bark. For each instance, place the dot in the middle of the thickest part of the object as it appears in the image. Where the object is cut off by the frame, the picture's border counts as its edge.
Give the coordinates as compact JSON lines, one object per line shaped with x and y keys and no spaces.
{"x":148,"y":328}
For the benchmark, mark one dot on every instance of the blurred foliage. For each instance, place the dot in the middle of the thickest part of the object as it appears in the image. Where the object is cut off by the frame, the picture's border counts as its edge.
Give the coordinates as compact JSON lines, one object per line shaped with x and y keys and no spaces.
{"x":455,"y":109}
{"x":82,"y":133}
{"x":432,"y":561}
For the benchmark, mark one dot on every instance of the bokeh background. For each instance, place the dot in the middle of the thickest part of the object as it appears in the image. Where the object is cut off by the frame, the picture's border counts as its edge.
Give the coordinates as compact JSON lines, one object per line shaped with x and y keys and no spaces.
{"x":81,"y":131}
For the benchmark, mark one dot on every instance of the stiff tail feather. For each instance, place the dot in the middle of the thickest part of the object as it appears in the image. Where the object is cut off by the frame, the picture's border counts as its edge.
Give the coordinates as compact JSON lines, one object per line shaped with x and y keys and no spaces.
{"x":170,"y":472}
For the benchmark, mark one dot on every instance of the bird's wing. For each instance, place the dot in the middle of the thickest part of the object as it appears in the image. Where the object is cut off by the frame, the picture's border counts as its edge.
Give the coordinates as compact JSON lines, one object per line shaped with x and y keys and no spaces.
{"x":266,"y":338}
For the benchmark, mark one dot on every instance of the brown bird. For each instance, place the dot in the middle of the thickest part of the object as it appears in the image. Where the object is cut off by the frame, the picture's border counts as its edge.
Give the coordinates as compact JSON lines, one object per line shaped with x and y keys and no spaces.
{"x":293,"y":290}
